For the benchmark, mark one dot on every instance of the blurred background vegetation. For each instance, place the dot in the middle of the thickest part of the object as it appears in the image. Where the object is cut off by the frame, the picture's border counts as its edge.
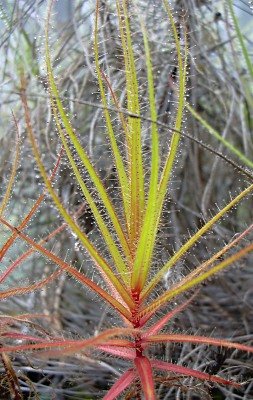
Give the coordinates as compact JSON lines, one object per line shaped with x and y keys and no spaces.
{"x":220,"y":90}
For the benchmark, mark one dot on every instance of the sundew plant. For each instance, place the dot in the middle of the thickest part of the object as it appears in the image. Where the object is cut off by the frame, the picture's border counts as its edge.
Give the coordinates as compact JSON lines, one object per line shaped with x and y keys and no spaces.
{"x":123,"y":251}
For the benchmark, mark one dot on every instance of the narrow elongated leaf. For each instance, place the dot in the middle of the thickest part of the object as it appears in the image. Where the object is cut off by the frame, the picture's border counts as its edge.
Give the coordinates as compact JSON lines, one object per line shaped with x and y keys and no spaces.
{"x":70,"y":344}
{"x":184,"y":286}
{"x":120,"y":167}
{"x":148,"y":231}
{"x":178,"y":338}
{"x":30,"y":214}
{"x":127,"y":344}
{"x":12,"y":379}
{"x":128,"y":354}
{"x":178,"y":369}
{"x":29,"y":288}
{"x":119,"y":110}
{"x":182,"y":68}
{"x":106,"y":234}
{"x":245,"y":52}
{"x":159,"y":325}
{"x":101,"y":264}
{"x":206,"y":265}
{"x":145,"y":248}
{"x":73,"y":272}
{"x":55,"y":97}
{"x":25,"y":255}
{"x":144,"y":370}
{"x":183,"y":249}
{"x":134,"y":125}
{"x":218,"y":136}
{"x":120,"y":385}
{"x":7,"y":194}
{"x":22,"y":336}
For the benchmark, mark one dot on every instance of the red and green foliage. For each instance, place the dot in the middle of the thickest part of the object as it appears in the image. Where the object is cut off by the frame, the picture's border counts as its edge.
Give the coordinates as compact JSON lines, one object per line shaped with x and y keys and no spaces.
{"x":128,"y":227}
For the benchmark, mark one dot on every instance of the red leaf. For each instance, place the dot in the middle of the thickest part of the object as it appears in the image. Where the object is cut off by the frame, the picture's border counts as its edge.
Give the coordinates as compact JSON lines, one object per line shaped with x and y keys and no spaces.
{"x":122,"y":383}
{"x":119,"y":351}
{"x":30,"y":288}
{"x":21,"y":336}
{"x":179,"y":369}
{"x":23,"y":257}
{"x":144,"y":369}
{"x":198,"y":340}
{"x":68,"y":345}
{"x":72,"y":271}
{"x":30,"y":214}
{"x":163,"y":321}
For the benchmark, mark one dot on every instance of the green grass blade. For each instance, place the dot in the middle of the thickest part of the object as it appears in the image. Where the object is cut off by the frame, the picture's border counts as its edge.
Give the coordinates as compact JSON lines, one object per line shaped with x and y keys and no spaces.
{"x":218,"y":136}
{"x":245,"y":52}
